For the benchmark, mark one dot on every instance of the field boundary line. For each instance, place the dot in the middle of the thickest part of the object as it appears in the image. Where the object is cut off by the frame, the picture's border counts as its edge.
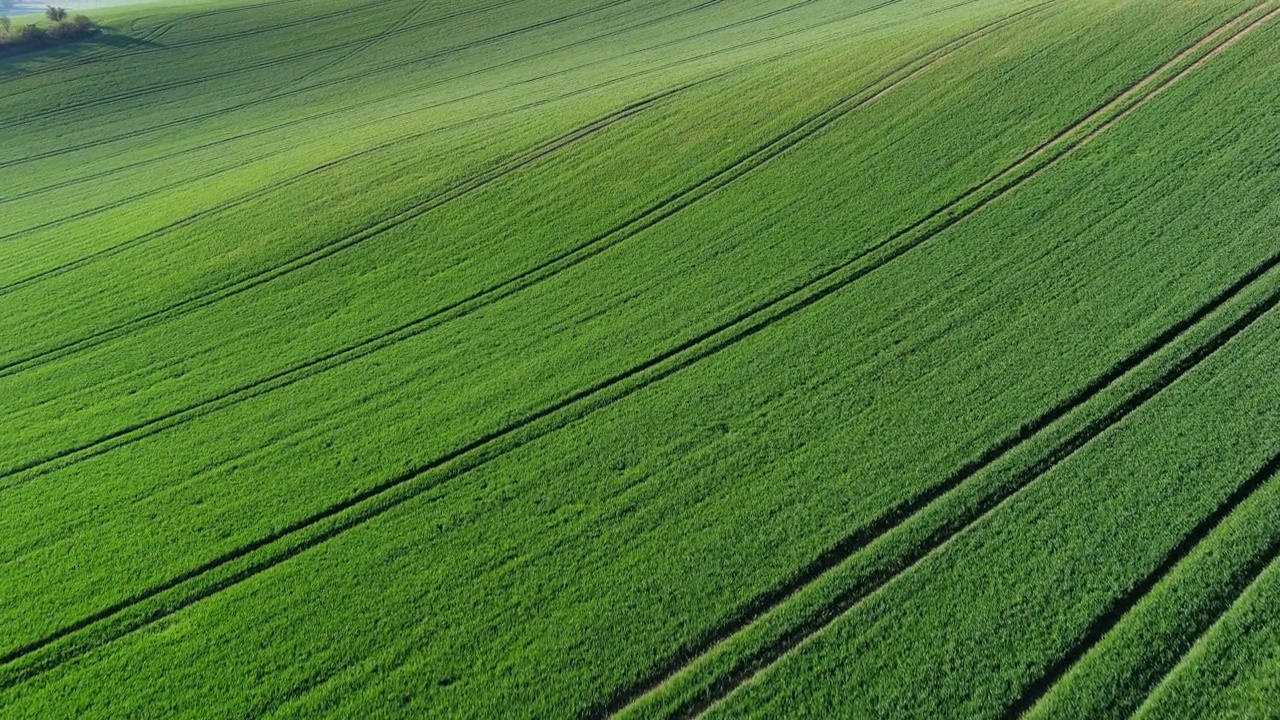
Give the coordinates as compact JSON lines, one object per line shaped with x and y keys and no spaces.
{"x":332,"y":521}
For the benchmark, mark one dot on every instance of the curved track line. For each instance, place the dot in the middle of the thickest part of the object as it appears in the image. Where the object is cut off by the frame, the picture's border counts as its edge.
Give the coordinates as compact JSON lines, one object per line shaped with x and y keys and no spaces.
{"x":356,"y":46}
{"x":398,"y":66}
{"x":246,"y":283}
{"x":101,"y":100}
{"x":298,"y":372}
{"x":628,"y":229}
{"x":516,"y":61}
{"x":363,"y":104}
{"x":334,"y":520}
{"x":1085,"y":131}
{"x":119,"y":203}
{"x":155,"y":33}
{"x":1024,"y":481}
{"x":151,"y":35}
{"x":239,"y":200}
{"x":355,"y":51}
{"x":151,"y":235}
{"x":656,"y":374}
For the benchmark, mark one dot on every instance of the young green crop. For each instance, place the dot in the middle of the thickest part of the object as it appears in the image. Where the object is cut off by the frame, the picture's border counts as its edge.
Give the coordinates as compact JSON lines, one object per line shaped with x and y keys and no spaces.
{"x":562,"y":358}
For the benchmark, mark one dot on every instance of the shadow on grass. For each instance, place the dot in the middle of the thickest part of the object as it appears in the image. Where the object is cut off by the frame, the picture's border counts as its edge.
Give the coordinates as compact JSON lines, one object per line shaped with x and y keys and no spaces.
{"x":102,"y":43}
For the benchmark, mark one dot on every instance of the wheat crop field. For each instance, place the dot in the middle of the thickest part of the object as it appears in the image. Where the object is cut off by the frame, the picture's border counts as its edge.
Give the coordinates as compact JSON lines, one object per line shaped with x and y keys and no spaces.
{"x":643,"y":359}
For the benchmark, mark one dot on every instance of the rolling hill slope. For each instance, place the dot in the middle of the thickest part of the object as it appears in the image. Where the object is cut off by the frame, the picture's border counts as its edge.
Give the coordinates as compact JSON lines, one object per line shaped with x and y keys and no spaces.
{"x":642,"y":358}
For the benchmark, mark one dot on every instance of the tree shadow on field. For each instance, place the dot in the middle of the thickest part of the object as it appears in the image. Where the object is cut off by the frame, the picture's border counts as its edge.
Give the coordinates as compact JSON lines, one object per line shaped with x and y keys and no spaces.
{"x":103,"y":44}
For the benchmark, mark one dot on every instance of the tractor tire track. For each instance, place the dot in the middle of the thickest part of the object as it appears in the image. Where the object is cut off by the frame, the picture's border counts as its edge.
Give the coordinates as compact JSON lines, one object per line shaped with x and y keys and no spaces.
{"x":355,"y":51}
{"x":293,"y":180}
{"x":365,"y":74}
{"x":218,"y":39}
{"x":1023,"y":170}
{"x":253,"y":32}
{"x":240,"y":200}
{"x":185,"y":306}
{"x":549,"y":268}
{"x":112,"y":171}
{"x":413,"y":211}
{"x":103,"y":53}
{"x":106,"y":100}
{"x":359,"y":349}
{"x":399,"y":65}
{"x":941,"y":540}
{"x":1252,"y":576}
{"x":244,"y":562}
{"x":356,"y":46}
{"x":147,"y":43}
{"x":151,"y":35}
{"x":383,"y":497}
{"x":121,"y":202}
{"x":1120,"y":607}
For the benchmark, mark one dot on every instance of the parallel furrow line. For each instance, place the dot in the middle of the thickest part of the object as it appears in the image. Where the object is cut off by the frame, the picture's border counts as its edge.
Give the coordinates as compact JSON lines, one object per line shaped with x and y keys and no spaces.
{"x":148,"y":41}
{"x":363,"y":76}
{"x":628,"y":229}
{"x":240,"y":163}
{"x":355,"y":51}
{"x":398,"y":66}
{"x":296,"y":121}
{"x":356,"y":46}
{"x":152,"y":35}
{"x":593,"y":246}
{"x":1022,"y":171}
{"x":275,"y":187}
{"x":1120,"y":606}
{"x":235,"y":566}
{"x":1255,"y":572}
{"x":298,"y":372}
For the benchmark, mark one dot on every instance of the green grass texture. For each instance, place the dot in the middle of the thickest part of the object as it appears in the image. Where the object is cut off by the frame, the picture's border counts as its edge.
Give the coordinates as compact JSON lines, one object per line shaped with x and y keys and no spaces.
{"x":642,"y":359}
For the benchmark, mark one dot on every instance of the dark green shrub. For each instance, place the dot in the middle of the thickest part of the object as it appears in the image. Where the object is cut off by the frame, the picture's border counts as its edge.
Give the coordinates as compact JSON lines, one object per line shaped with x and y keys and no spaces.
{"x":77,"y":28}
{"x":31,"y":34}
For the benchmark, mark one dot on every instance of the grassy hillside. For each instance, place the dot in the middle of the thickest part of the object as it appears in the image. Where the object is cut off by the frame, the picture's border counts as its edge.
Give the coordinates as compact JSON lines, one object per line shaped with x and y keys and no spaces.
{"x":642,"y":358}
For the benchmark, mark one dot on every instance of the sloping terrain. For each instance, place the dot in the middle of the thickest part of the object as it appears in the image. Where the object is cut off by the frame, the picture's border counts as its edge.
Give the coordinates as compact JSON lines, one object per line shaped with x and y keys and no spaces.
{"x":643,"y":358}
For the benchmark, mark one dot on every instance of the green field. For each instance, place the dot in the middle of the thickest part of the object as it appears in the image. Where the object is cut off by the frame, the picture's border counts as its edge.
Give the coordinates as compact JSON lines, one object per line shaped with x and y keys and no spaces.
{"x":643,"y":359}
